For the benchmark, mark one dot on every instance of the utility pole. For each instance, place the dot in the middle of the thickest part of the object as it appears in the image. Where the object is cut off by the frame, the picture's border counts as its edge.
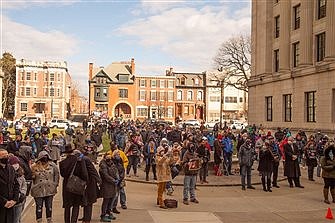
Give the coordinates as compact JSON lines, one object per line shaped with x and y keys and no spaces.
{"x":221,"y":85}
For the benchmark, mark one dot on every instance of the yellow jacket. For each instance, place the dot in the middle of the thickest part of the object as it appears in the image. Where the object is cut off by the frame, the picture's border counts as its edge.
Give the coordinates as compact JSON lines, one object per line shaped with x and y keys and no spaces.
{"x":122,"y":155}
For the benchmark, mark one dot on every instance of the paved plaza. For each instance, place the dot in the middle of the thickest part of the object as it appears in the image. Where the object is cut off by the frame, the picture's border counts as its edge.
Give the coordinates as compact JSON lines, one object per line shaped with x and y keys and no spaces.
{"x":224,"y":203}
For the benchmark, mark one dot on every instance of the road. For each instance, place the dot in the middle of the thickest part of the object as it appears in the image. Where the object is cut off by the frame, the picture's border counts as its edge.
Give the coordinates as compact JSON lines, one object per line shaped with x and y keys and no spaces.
{"x":217,"y":205}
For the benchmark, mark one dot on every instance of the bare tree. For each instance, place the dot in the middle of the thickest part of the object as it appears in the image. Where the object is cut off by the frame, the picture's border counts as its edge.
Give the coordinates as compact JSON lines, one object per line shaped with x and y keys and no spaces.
{"x":9,"y":81}
{"x":233,"y":60}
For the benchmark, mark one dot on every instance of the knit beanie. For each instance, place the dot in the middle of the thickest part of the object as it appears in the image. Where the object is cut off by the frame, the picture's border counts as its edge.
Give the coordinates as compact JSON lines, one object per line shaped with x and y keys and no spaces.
{"x":13,"y":160}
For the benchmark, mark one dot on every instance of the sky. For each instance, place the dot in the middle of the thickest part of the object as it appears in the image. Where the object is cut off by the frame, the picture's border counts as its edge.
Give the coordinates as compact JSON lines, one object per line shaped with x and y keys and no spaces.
{"x":158,"y":34}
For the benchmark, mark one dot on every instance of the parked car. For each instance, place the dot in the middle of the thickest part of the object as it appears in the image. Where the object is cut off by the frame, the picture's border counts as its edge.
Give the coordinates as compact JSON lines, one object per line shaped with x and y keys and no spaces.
{"x":211,"y":124}
{"x":190,"y":123}
{"x":238,"y":125}
{"x":74,"y":124}
{"x":28,"y":119}
{"x":58,"y":123}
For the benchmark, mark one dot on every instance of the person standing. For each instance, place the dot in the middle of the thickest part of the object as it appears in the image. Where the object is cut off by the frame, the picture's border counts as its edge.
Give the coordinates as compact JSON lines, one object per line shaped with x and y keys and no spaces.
{"x":110,"y":179}
{"x":71,"y":202}
{"x":45,"y":176}
{"x":9,"y":189}
{"x":191,"y":164}
{"x":227,"y":153}
{"x":311,"y":157}
{"x":204,"y":155}
{"x":265,"y":165}
{"x":53,"y":145}
{"x":276,"y":159}
{"x":149,"y":153}
{"x":246,"y":158}
{"x":133,"y":153}
{"x":164,"y":160}
{"x":291,"y":165}
{"x":328,"y":172}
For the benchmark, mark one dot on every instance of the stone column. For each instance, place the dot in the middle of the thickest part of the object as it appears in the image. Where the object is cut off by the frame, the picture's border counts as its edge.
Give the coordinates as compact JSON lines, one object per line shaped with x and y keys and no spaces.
{"x":330,"y":31}
{"x":284,"y":35}
{"x":306,"y":33}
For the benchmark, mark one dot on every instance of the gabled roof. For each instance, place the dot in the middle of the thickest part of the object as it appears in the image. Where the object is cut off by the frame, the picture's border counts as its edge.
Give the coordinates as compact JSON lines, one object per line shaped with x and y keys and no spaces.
{"x":114,"y":69}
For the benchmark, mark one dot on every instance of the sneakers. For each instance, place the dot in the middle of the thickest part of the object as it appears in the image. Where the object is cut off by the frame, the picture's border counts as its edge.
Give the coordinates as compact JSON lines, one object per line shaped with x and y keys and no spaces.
{"x":243,"y":187}
{"x":105,"y":219}
{"x":124,"y":206}
{"x":194,"y":200}
{"x":111,"y":217}
{"x":186,"y":202}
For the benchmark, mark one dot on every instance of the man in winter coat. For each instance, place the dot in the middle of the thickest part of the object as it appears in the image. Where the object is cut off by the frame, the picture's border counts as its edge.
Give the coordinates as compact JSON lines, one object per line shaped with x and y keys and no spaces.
{"x":246,"y":159}
{"x":9,"y":189}
{"x":227,"y":154}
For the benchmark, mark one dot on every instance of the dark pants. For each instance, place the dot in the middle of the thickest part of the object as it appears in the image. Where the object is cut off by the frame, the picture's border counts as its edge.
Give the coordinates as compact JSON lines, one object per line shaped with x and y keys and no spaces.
{"x":147,"y":170}
{"x":228,"y":160}
{"x":296,"y":181}
{"x":107,"y":206}
{"x":39,"y":206}
{"x":203,"y":171}
{"x":266,"y":180}
{"x":310,"y":172}
{"x":329,"y":183}
{"x":133,"y":162}
{"x":245,"y":172}
{"x":71,"y":218}
{"x":275,"y":173}
{"x":88,"y":212}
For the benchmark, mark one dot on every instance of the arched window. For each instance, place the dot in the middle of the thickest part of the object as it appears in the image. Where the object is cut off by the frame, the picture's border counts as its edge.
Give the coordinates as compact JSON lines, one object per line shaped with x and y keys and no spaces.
{"x":196,"y":81}
{"x":182,"y":81}
{"x":180,"y":95}
{"x":200,"y":96}
{"x":189,"y":95}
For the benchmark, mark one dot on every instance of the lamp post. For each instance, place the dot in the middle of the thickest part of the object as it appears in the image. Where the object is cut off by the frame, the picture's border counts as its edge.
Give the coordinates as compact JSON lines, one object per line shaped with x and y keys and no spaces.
{"x":221,"y":85}
{"x":52,"y":98}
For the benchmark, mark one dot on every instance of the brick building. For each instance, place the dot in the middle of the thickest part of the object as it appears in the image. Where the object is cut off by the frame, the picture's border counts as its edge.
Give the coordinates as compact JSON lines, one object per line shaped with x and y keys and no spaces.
{"x":155,"y":97}
{"x":292,"y":82}
{"x":112,"y":90}
{"x":42,"y":89}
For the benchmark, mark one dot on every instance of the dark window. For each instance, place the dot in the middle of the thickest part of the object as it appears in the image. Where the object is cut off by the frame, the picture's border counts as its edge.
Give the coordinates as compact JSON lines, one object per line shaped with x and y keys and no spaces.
{"x":320,"y":46}
{"x":123,"y":93}
{"x":241,"y":100}
{"x":296,"y":54}
{"x":268,"y":104}
{"x":52,"y":91}
{"x":310,"y":106}
{"x":277,"y":26}
{"x":24,"y":106}
{"x":321,"y":9}
{"x":276,"y":60}
{"x":288,"y":107}
{"x":28,"y":76}
{"x":97,"y":92}
{"x":182,"y":81}
{"x":296,"y":16}
{"x":231,"y":99}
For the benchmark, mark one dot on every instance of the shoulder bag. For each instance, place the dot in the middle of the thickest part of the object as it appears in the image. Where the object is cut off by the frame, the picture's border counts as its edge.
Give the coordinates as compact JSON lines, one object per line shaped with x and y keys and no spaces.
{"x":75,"y":184}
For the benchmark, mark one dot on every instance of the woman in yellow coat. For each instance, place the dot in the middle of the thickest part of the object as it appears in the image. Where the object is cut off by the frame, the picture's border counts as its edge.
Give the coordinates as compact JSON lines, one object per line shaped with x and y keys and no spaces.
{"x":163,"y":161}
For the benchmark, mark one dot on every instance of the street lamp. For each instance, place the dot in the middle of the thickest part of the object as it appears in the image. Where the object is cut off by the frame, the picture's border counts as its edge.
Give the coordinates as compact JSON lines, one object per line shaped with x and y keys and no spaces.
{"x":52,"y":98}
{"x":221,"y":85}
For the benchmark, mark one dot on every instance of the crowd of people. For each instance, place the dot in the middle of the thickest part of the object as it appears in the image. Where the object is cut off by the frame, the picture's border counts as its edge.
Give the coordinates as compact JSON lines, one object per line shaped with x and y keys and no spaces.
{"x":33,"y":161}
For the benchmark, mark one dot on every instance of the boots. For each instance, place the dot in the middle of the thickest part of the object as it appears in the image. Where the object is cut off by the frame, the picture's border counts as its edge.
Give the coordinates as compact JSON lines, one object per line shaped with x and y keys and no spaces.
{"x":332,"y":192}
{"x":325,"y":195}
{"x":269,"y":186}
{"x":263,"y":183}
{"x":49,"y":220}
{"x":147,"y":177}
{"x":39,"y":220}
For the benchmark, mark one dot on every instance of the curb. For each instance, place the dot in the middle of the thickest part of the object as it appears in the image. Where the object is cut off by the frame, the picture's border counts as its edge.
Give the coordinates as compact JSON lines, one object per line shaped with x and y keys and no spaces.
{"x":200,"y":185}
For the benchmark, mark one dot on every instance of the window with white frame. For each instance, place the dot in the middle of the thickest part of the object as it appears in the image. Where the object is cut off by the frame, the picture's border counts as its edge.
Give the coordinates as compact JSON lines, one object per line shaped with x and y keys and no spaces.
{"x":22,"y":91}
{"x":58,"y":92}
{"x":170,"y":84}
{"x":27,"y":91}
{"x":189,"y":95}
{"x":170,"y":95}
{"x":143,"y":83}
{"x":196,"y":81}
{"x":180,"y":95}
{"x":55,"y":108}
{"x":153,"y":83}
{"x":28,"y":76}
{"x":35,"y":76}
{"x":153,"y":95}
{"x":170,"y":112}
{"x":142,"y":95}
{"x":35,"y":91}
{"x":162,"y":96}
{"x":52,"y":77}
{"x":162,"y":83}
{"x":142,"y":112}
{"x":199,"y":95}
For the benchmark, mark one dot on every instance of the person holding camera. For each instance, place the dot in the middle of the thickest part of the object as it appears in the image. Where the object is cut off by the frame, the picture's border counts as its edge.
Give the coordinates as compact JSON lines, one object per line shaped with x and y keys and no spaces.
{"x":163,"y":161}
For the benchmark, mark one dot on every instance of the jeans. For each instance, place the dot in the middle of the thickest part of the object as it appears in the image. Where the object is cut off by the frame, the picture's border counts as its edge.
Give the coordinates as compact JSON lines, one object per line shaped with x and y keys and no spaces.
{"x":17,"y":209}
{"x":189,"y":186}
{"x":245,"y":172}
{"x":275,"y":167}
{"x":133,"y":162}
{"x":203,"y":171}
{"x":39,"y":206}
{"x":228,"y":160}
{"x":71,"y":218}
{"x":122,"y":195}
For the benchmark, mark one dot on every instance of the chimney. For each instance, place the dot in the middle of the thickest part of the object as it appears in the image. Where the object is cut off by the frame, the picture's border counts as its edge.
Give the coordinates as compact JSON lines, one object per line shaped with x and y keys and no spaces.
{"x":90,"y":71}
{"x":171,"y":71}
{"x":132,"y":66}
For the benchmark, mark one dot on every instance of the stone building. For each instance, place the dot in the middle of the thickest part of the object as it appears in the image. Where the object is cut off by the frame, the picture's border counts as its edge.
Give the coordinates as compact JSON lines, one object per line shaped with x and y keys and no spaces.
{"x":42,"y":89}
{"x":155,"y":97}
{"x":293,"y":64}
{"x":190,"y":95}
{"x":112,"y":90}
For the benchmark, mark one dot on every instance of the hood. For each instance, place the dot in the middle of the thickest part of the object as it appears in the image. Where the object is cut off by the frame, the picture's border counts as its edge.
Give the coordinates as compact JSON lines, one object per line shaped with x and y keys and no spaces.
{"x":164,"y":140}
{"x":42,"y":154}
{"x":25,"y":152}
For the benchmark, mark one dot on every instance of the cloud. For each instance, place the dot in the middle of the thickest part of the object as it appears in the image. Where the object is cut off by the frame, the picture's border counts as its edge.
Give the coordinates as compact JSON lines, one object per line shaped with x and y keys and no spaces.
{"x":22,"y":4}
{"x":190,"y":33}
{"x":24,"y":41}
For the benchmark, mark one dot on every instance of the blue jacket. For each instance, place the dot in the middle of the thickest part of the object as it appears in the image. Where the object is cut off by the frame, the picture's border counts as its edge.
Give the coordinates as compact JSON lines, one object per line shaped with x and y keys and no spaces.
{"x":211,"y":139}
{"x":227,"y":145}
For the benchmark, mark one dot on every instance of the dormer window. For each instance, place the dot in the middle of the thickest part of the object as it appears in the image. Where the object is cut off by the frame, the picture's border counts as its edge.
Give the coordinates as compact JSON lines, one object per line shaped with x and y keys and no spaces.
{"x":196,"y":81}
{"x":182,"y":81}
{"x":123,"y":77}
